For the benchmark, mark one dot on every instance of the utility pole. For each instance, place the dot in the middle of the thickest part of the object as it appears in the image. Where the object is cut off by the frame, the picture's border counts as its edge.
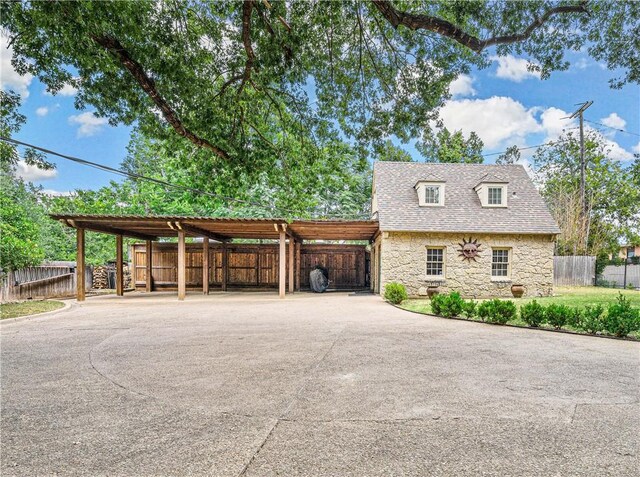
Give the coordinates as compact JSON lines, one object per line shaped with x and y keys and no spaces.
{"x":583,"y":202}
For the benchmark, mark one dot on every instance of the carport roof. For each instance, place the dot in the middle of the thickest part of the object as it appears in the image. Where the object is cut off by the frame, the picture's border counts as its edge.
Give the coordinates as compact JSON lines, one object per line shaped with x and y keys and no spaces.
{"x":151,"y":227}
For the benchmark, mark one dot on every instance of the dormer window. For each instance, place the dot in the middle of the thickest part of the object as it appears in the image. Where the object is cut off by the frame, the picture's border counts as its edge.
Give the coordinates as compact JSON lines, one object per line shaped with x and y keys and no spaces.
{"x":492,"y":192}
{"x":495,"y":195}
{"x":430,"y":193}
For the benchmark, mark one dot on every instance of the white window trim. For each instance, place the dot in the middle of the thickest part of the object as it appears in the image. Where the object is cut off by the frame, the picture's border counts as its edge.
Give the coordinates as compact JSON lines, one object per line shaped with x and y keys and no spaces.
{"x":435,"y":278}
{"x":483,"y":193}
{"x":506,"y":278}
{"x":421,"y":190}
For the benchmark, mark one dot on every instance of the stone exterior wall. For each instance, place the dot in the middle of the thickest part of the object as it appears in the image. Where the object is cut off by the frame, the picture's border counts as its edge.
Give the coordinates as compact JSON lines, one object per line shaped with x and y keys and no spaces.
{"x":403,"y":260}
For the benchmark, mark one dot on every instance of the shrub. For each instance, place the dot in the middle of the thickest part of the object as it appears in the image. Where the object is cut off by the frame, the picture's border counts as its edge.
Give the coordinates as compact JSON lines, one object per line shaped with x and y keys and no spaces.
{"x":395,"y":293}
{"x":452,"y":305}
{"x":557,"y":315}
{"x":591,"y":319}
{"x":621,"y":319}
{"x":497,"y":311}
{"x":532,"y":313}
{"x":437,"y":301}
{"x":469,"y":309}
{"x":575,"y":318}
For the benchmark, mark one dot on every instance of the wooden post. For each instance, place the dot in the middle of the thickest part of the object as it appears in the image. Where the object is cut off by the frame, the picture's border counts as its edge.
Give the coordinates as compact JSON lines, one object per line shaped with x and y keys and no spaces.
{"x":80,"y":290}
{"x":149,"y":275}
{"x":225,"y":265}
{"x":282,"y":277}
{"x":182,"y":266}
{"x":292,"y":245}
{"x":119,"y":267}
{"x":298,"y":246}
{"x":205,"y":266}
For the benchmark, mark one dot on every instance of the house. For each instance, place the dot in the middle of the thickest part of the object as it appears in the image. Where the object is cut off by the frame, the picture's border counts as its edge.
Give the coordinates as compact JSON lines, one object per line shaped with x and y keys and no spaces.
{"x":473,"y":228}
{"x":628,"y":251}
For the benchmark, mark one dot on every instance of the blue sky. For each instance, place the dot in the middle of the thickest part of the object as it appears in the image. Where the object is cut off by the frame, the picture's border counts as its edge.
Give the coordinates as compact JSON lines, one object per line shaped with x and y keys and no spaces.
{"x":505,"y":104}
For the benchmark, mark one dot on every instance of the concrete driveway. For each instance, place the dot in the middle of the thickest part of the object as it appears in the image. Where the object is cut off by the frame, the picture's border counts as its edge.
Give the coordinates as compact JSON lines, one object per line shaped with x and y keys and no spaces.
{"x":315,"y":385}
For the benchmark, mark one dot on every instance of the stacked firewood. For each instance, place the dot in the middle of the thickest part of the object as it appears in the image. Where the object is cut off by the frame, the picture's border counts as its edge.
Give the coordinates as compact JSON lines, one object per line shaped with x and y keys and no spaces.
{"x":101,"y":277}
{"x":127,"y":277}
{"x":102,"y":273}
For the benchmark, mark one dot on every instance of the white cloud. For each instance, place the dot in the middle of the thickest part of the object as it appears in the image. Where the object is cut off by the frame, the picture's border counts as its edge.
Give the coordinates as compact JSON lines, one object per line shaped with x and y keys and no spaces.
{"x":502,"y":121}
{"x":42,"y":111}
{"x":581,"y":64}
{"x":9,"y":77}
{"x":89,"y":124}
{"x":33,"y":173}
{"x":513,"y":69}
{"x":636,"y":148}
{"x":614,"y":121}
{"x":616,"y":151}
{"x":554,"y":122}
{"x":66,"y":90}
{"x":462,"y":86}
{"x":497,"y":120}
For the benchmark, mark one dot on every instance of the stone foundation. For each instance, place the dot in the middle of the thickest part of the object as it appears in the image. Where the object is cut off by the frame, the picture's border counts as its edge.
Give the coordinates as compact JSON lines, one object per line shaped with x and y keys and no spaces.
{"x":403,"y":260}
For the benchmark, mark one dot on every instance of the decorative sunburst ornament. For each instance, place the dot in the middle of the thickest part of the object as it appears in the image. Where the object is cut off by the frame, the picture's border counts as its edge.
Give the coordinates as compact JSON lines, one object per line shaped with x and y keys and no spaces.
{"x":469,"y":250}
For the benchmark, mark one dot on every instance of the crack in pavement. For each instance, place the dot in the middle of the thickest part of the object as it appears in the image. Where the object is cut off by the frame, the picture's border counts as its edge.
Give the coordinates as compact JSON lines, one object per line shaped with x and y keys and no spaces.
{"x":311,"y":370}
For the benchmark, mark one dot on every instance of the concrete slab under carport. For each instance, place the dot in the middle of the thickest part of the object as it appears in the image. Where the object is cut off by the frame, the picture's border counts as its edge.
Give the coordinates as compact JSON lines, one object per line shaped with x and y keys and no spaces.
{"x":332,"y":384}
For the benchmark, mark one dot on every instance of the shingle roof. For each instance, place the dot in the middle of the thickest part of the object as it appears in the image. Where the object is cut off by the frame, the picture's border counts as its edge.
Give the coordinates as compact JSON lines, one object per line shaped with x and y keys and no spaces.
{"x":398,"y":208}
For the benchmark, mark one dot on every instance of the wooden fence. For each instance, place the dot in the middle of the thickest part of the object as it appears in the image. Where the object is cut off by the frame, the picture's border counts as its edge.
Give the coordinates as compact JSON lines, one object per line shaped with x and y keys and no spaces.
{"x":614,"y":275}
{"x":574,"y":271}
{"x":41,"y":282}
{"x":250,"y":265}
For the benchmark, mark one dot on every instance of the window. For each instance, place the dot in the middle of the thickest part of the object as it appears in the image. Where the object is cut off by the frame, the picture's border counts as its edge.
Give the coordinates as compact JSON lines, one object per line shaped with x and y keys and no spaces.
{"x":495,"y":195}
{"x":432,"y":194}
{"x":631,"y":252}
{"x":435,"y":262}
{"x":500,"y":263}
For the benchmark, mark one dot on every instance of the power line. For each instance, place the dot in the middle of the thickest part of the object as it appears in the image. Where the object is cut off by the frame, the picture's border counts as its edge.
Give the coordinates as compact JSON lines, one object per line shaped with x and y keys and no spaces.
{"x":550,"y":143}
{"x":611,"y":127}
{"x":161,"y":182}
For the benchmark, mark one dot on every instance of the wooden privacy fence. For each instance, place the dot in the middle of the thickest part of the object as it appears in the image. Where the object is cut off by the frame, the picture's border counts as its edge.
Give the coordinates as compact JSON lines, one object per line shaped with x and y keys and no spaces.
{"x":574,"y":270}
{"x":615,"y":275}
{"x":250,"y":265}
{"x":41,"y":282}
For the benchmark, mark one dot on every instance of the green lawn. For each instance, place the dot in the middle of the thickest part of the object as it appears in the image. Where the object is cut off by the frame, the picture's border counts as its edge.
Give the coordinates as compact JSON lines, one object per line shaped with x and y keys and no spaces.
{"x":572,"y":296}
{"x":13,"y":310}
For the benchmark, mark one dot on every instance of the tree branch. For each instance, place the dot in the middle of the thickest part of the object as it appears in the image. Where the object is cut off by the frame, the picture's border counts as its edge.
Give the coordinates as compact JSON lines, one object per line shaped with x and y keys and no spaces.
{"x":115,"y":48}
{"x":448,"y":29}
{"x":247,"y":8}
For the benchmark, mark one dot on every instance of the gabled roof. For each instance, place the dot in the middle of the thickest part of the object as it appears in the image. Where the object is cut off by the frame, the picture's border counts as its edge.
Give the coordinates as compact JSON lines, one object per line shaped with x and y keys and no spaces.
{"x":398,"y":209}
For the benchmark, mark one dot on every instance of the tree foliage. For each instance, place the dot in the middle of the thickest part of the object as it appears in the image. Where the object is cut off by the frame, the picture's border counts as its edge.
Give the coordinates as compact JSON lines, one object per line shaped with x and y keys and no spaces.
{"x":611,"y":191}
{"x":448,"y":147}
{"x":230,"y":76}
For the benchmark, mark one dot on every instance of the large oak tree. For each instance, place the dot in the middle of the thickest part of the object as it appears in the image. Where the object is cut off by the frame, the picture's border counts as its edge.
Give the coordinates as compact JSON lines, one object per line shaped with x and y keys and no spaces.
{"x":240,"y":78}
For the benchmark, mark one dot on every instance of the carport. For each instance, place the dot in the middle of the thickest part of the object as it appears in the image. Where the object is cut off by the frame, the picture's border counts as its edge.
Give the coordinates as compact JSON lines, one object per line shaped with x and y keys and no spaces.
{"x":289,"y":235}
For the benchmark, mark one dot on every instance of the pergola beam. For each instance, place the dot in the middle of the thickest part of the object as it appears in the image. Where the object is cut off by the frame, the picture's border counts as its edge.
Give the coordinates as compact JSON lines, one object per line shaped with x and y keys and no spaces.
{"x":292,"y":234}
{"x":198,"y":232}
{"x":107,"y":230}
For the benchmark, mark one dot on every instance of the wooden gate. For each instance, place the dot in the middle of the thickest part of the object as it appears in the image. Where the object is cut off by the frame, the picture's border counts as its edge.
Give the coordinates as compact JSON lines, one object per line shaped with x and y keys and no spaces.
{"x":251,"y":265}
{"x":347,"y":265}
